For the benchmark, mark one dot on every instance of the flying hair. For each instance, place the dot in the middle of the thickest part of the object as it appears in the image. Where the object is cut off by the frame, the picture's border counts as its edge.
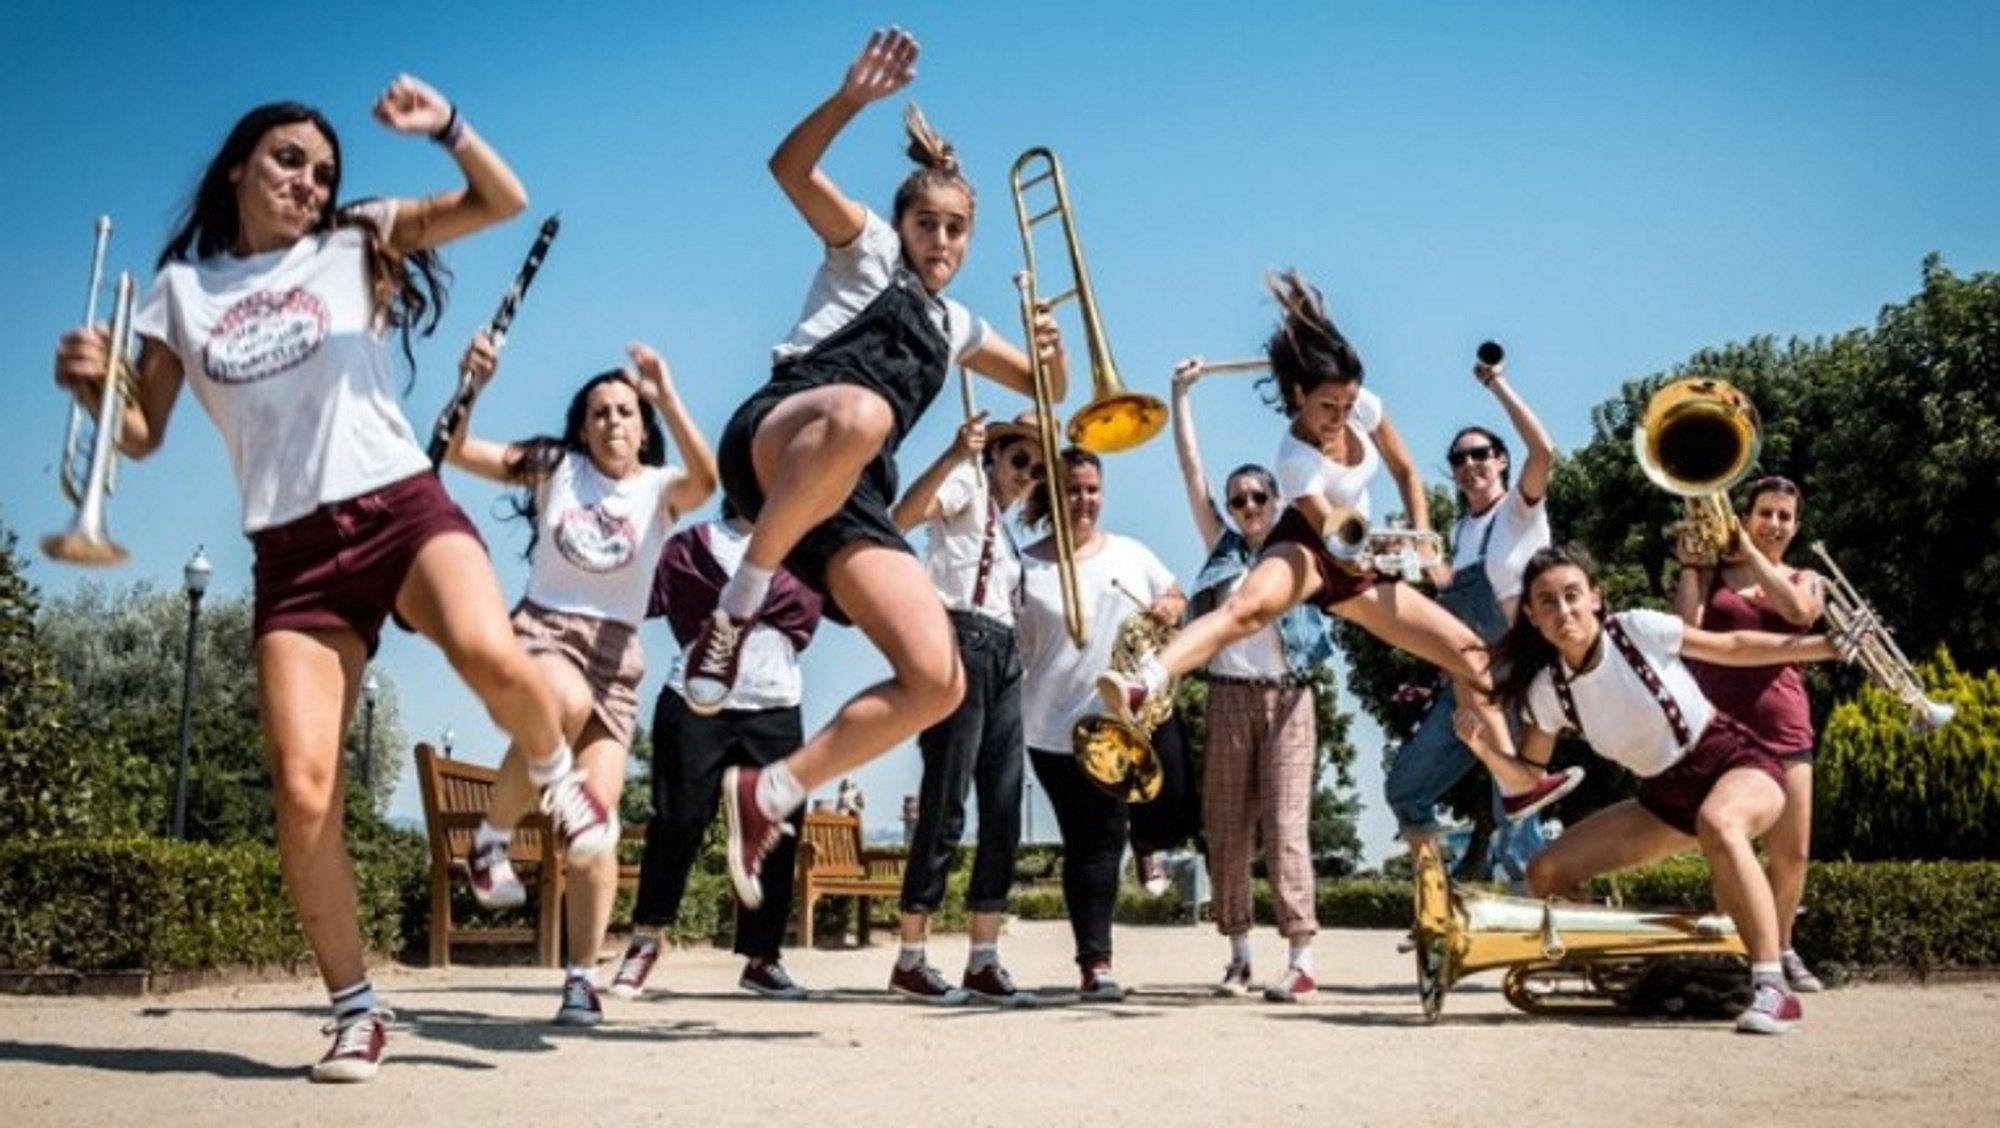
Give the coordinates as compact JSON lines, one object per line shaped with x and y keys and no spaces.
{"x":937,"y":161}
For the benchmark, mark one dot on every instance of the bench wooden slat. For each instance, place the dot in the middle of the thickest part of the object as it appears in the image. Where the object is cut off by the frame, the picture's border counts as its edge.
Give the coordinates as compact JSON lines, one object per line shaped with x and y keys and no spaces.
{"x":832,"y":862}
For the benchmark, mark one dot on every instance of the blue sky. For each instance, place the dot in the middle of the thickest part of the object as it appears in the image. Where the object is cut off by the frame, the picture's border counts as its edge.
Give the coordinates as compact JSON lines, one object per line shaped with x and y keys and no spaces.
{"x":1604,"y":187}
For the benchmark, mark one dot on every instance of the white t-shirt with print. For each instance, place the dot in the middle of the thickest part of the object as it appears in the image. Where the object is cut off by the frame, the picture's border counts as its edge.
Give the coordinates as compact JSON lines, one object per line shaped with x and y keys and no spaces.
{"x":1519,"y":531}
{"x":599,"y":539}
{"x":767,"y":675}
{"x":285,"y":353}
{"x":1303,"y":471}
{"x":958,"y":532}
{"x":1620,"y":716}
{"x":853,"y":276}
{"x":1059,"y":682}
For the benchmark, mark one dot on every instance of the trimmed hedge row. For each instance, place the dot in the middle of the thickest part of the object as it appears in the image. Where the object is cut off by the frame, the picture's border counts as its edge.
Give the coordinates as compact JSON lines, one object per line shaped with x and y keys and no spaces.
{"x":161,"y":906}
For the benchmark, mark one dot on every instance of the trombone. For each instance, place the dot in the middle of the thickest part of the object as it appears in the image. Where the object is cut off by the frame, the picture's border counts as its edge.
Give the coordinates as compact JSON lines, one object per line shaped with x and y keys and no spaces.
{"x":1860,"y":631}
{"x":90,"y":457}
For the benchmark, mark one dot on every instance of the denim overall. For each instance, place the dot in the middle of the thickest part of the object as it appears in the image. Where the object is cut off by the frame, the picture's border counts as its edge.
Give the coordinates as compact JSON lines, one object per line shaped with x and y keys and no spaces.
{"x":1433,"y":759}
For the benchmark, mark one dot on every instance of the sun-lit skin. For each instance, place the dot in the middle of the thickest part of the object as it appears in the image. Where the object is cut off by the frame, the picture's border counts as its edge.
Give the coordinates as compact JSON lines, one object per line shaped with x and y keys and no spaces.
{"x":1567,"y":610}
{"x":1772,"y":522}
{"x":1482,"y":482}
{"x":1322,"y":420}
{"x":614,"y":428}
{"x":1085,"y":494}
{"x":283,"y":188}
{"x":936,"y":231}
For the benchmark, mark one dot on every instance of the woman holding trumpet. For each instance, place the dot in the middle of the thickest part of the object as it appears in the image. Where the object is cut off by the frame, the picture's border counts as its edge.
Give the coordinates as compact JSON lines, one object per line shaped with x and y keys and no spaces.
{"x":277,"y":305}
{"x":810,"y":456}
{"x":1340,"y":437}
{"x":1262,"y":726}
{"x":1751,"y":588}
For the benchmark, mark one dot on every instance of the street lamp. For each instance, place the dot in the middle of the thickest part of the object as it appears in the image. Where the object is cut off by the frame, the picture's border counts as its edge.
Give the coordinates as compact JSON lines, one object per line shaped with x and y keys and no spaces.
{"x":195,"y":579}
{"x":369,"y":690}
{"x":448,"y":735}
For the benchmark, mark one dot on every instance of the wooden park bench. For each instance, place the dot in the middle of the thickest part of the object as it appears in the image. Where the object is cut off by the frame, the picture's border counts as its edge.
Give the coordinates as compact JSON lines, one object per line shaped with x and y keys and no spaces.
{"x":832,"y":862}
{"x":455,"y":796}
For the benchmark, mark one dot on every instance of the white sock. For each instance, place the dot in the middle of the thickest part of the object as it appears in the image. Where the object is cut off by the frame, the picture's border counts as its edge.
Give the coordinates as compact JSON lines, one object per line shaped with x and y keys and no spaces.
{"x":910,"y":956}
{"x":1239,"y":949}
{"x":1153,"y":675}
{"x":778,"y":791}
{"x":982,"y":956}
{"x":743,"y":596}
{"x":575,"y":971}
{"x":490,"y":835}
{"x":1772,"y":973}
{"x":1302,"y":957}
{"x":545,"y":772}
{"x":352,"y":1002}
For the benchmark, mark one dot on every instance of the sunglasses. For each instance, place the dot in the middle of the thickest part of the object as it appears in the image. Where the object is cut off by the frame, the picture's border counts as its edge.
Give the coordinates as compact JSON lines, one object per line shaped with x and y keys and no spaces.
{"x":1248,"y":498}
{"x":1023,"y":461}
{"x":1462,"y":455}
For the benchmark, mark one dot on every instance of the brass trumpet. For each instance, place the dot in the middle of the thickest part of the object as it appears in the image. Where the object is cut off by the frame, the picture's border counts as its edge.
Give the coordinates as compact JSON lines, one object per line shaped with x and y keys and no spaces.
{"x":1860,"y":632}
{"x":1383,"y":551}
{"x":1698,"y":437}
{"x":1559,"y":957}
{"x":90,"y":454}
{"x":1115,"y":419}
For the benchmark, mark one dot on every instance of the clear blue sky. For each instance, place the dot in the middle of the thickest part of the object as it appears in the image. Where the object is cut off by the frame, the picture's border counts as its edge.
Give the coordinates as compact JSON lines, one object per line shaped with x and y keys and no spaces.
{"x":1605,"y":187}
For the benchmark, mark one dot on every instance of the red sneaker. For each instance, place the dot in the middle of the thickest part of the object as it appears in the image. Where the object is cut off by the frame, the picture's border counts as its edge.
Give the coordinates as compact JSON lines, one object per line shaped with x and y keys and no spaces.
{"x":926,"y":984}
{"x":1235,"y":981}
{"x":1773,"y":1010}
{"x":992,"y":984}
{"x":1295,"y":985}
{"x":750,"y":834}
{"x":359,"y":1044}
{"x":769,"y":979}
{"x":712,"y":659}
{"x":1554,"y":786}
{"x":495,"y":885}
{"x":640,"y":956}
{"x":587,"y":826}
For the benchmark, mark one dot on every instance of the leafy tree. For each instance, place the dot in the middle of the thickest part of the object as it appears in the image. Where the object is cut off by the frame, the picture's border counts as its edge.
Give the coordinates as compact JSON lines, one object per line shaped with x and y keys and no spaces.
{"x":50,"y":783}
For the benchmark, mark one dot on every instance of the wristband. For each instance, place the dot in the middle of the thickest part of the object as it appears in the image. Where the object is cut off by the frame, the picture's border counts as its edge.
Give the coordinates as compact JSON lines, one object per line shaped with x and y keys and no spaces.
{"x":452,"y":131}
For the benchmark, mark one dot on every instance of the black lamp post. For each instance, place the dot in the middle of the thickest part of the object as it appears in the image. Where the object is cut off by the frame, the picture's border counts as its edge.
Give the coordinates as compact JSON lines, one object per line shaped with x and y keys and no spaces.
{"x":195,"y":578}
{"x":369,"y":690}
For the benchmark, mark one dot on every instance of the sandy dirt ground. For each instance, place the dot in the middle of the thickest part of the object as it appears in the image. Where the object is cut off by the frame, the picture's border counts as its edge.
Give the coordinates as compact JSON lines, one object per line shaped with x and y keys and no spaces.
{"x":474,"y":1047}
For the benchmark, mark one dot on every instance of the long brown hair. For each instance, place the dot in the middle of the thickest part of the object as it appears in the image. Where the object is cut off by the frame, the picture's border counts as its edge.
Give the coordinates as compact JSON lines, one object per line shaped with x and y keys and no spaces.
{"x":1307,"y":349}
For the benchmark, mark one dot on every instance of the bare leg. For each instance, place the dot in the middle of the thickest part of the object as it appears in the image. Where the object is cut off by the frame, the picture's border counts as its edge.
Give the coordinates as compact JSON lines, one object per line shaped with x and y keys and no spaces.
{"x":515,"y":794}
{"x":306,"y":684}
{"x":1789,"y":847}
{"x":593,"y":882}
{"x":1618,"y":837}
{"x":1743,"y":804}
{"x":808,"y":454}
{"x":891,"y":601}
{"x":1283,"y":579}
{"x":986,"y":927}
{"x":452,"y":598}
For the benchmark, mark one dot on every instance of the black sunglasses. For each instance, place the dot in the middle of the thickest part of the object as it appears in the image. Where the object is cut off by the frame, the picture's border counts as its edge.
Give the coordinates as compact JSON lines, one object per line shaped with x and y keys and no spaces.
{"x":1459,"y":457}
{"x":1248,"y":498}
{"x":1022,"y":460}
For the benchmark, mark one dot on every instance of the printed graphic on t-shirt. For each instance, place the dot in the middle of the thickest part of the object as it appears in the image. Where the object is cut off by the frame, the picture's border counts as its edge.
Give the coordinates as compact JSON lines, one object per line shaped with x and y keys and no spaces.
{"x":263,"y":335}
{"x":595,"y":540}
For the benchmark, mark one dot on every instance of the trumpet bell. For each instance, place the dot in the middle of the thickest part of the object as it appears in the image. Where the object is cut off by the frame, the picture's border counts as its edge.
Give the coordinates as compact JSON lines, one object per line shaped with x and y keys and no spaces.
{"x":1698,"y":436}
{"x":1117,"y":758}
{"x":1117,"y":422}
{"x":1933,"y":716}
{"x":84,"y":546}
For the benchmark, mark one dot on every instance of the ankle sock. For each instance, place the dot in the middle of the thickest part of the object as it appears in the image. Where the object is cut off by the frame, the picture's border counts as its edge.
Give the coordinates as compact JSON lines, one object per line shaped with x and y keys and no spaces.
{"x":1239,"y":949}
{"x":559,"y":764}
{"x":353,"y":1002}
{"x":1772,"y":973}
{"x":1302,"y":958}
{"x":910,"y":957}
{"x":778,"y":791}
{"x":743,"y":595}
{"x":981,"y":957}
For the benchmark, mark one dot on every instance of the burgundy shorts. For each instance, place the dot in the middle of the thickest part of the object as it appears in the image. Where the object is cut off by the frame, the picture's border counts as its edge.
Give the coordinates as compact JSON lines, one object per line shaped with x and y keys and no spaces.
{"x":1336,"y":584}
{"x":341,"y":566}
{"x":604,"y":651}
{"x":1675,"y":796}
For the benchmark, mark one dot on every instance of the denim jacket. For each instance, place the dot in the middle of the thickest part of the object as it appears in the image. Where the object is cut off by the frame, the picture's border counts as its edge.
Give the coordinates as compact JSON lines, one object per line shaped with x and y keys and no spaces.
{"x":1307,"y":636}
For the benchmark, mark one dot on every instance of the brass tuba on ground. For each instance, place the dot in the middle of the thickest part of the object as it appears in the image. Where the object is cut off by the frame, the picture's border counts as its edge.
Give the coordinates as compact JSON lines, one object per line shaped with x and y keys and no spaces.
{"x":1119,"y":758}
{"x":1558,"y":957}
{"x":1698,"y":437}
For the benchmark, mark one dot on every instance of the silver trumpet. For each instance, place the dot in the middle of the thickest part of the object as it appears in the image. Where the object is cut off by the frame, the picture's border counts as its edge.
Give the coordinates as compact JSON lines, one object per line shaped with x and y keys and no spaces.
{"x":90,"y":452}
{"x":1382,"y":551}
{"x":1860,"y":634}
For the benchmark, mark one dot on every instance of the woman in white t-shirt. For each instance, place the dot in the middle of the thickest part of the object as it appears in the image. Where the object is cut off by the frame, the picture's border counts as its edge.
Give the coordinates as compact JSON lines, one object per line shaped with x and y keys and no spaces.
{"x":1706,"y":779}
{"x":1116,"y":577}
{"x":810,"y":456}
{"x":1339,"y":438}
{"x":600,"y":500}
{"x":278,"y":306}
{"x":1503,"y":520}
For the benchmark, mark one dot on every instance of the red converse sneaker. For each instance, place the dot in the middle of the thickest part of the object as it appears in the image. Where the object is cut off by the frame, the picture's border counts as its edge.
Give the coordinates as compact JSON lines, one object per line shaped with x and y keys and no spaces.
{"x":1235,"y":980}
{"x":640,"y":956}
{"x":750,"y":834}
{"x":711,"y":662}
{"x":359,"y":1044}
{"x":769,"y":979}
{"x":495,"y":885}
{"x":1554,"y":785}
{"x":1295,"y":985}
{"x":926,"y":984}
{"x":1773,"y":1010}
{"x":992,"y":984}
{"x":587,"y":826}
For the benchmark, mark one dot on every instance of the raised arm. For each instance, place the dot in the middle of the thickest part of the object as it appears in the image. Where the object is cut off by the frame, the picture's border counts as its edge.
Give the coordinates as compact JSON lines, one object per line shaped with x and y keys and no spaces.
{"x":1534,"y":471}
{"x":1403,"y":471}
{"x":919,"y":503}
{"x":998,"y":360}
{"x":885,"y":65}
{"x":1797,"y":598}
{"x":491,"y":193}
{"x":480,"y":457}
{"x":1201,"y":502}
{"x":656,"y":386}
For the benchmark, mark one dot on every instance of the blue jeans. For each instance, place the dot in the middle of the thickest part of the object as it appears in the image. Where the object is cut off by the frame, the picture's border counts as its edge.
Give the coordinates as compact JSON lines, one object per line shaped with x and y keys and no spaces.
{"x":1429,"y":764}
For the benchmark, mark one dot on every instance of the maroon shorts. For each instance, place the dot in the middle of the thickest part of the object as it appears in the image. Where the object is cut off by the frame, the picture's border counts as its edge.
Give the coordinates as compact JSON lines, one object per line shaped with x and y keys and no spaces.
{"x":1336,"y":584}
{"x":604,"y":651}
{"x":341,"y":566}
{"x":1675,"y":796}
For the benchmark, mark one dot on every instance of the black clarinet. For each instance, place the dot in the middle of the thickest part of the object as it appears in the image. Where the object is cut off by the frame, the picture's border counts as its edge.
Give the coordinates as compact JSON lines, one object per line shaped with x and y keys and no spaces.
{"x":453,"y":416}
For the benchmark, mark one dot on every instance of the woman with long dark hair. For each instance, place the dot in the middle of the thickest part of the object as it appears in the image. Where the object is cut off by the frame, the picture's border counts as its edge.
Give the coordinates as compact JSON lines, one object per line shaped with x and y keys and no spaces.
{"x":599,"y":500}
{"x":277,"y":304}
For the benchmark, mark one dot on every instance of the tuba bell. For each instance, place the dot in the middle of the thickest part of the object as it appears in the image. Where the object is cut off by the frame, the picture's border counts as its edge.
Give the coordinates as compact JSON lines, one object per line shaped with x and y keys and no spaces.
{"x":1558,"y":957}
{"x":1698,"y":437}
{"x":1117,"y":757}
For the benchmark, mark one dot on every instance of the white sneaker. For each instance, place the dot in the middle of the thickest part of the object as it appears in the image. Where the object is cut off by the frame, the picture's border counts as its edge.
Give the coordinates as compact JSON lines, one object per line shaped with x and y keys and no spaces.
{"x":495,"y":885}
{"x":587,"y":826}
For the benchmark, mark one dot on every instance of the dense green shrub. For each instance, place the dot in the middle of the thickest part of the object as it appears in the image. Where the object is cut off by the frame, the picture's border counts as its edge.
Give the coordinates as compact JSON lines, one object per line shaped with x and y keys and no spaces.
{"x":1882,"y":792}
